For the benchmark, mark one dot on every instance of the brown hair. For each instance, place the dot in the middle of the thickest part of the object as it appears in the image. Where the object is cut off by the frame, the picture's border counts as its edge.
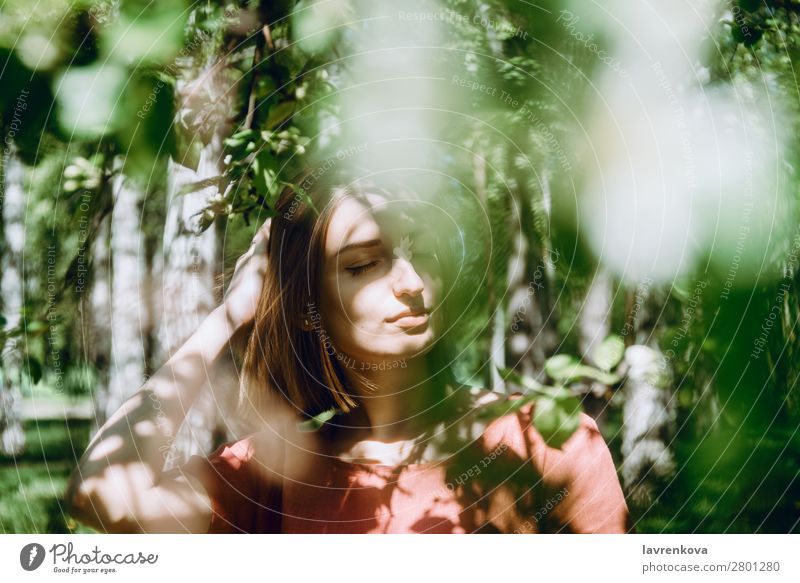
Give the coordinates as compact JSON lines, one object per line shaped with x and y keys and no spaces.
{"x":282,"y":359}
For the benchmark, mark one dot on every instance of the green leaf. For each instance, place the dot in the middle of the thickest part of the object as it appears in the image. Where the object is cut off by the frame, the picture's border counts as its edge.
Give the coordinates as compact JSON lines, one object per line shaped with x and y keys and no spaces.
{"x":149,"y":138}
{"x":280,"y":113}
{"x":149,"y":34}
{"x":317,"y":421}
{"x":556,"y":419}
{"x":556,"y":414}
{"x":560,"y":367}
{"x":317,"y":24}
{"x":35,"y":327}
{"x":239,"y":139}
{"x":558,"y":393}
{"x":523,"y":381}
{"x":265,"y":171}
{"x":609,"y":352}
{"x":589,"y":372}
{"x":563,"y":368}
{"x":88,"y":99}
{"x":503,"y":407}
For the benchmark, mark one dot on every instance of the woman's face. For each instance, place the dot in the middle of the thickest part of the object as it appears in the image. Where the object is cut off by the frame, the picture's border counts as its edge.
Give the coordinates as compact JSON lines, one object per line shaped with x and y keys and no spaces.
{"x":381,"y":286}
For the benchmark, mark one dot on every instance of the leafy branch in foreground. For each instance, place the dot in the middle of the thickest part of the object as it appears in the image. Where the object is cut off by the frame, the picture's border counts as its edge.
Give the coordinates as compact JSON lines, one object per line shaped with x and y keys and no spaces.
{"x":556,"y":411}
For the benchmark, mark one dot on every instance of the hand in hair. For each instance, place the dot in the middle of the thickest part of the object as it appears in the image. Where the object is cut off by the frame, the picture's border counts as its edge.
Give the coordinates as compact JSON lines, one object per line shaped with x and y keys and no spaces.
{"x":244,"y":291}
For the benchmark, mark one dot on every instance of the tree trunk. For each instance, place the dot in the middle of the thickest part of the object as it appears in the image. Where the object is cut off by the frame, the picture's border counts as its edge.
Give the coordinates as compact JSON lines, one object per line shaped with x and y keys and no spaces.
{"x":497,"y":328}
{"x":649,"y":409}
{"x":185,"y":272}
{"x":522,"y":353}
{"x":593,"y":321}
{"x":187,"y":292}
{"x":98,"y":321}
{"x":530,"y":317}
{"x":12,"y":436}
{"x":546,"y":258}
{"x":647,"y":425}
{"x":127,"y":301}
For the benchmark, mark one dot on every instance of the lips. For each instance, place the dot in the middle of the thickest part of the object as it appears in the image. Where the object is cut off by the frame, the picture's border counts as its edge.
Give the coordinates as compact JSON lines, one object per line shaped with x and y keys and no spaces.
{"x":409,"y":314}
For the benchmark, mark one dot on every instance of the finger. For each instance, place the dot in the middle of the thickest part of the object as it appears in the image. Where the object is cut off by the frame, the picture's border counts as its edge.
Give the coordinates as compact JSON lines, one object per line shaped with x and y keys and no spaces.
{"x":246,"y":255}
{"x":265,"y":228}
{"x":262,"y":243}
{"x":262,"y":234}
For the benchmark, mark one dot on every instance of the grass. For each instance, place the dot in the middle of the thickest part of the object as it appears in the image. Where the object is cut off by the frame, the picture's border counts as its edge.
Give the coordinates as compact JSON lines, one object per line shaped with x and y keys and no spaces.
{"x":754,"y":487}
{"x":33,"y":482}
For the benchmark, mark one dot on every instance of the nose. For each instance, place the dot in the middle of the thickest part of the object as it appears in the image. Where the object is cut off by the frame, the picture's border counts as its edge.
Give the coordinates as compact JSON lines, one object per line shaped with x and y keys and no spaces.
{"x":406,"y":280}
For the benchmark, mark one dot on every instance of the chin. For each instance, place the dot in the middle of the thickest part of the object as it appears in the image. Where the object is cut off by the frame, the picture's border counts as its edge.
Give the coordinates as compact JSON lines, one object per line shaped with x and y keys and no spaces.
{"x":416,"y":349}
{"x":410,"y":348}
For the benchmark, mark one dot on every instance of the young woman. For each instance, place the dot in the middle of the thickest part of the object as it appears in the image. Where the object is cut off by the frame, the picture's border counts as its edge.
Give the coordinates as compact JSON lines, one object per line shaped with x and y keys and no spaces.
{"x":351,"y":307}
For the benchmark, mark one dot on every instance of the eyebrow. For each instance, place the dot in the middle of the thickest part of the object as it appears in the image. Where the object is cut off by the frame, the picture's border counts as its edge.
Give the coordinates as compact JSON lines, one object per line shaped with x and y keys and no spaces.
{"x":360,"y":245}
{"x":416,"y":233}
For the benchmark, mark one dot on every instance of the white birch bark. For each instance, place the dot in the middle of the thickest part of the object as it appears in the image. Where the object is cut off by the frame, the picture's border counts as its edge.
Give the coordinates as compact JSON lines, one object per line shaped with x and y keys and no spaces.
{"x":128,"y":311}
{"x":12,"y":436}
{"x":647,"y":424}
{"x":189,"y":264}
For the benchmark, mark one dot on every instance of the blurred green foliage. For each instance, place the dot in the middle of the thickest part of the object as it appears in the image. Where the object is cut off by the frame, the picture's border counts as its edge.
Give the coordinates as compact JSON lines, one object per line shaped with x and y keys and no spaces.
{"x":33,"y":483}
{"x":104,"y":80}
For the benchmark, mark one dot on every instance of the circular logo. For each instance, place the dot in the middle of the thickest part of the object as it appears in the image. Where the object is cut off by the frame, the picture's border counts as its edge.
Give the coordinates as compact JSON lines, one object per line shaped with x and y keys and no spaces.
{"x":31,"y":556}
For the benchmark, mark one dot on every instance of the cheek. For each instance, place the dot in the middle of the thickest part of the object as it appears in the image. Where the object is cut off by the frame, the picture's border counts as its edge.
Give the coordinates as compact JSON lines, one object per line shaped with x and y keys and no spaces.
{"x":357,"y":308}
{"x":351,"y":303}
{"x":355,"y":303}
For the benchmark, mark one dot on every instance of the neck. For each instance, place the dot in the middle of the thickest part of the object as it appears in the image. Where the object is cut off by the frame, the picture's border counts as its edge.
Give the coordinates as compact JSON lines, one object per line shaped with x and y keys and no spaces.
{"x":391,"y":408}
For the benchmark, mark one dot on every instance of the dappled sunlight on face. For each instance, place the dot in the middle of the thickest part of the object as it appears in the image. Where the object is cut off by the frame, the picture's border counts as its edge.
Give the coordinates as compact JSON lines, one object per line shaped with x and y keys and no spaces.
{"x":381,"y":261}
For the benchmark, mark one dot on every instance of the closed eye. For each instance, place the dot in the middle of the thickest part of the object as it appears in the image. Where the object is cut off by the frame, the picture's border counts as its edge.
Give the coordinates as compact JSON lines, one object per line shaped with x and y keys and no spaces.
{"x":359,"y":269}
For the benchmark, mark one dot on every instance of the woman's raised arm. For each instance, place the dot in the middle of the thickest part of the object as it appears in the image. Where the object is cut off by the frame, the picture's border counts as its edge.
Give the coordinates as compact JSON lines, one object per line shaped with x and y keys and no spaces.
{"x":119,"y":484}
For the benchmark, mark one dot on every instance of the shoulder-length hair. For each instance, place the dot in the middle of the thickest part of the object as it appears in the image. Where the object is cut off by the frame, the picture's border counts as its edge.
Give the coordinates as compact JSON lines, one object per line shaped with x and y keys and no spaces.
{"x":285,"y":361}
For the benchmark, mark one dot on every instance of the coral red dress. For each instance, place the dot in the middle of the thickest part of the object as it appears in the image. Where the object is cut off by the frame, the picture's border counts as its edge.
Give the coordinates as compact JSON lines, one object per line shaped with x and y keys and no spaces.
{"x":508,"y":481}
